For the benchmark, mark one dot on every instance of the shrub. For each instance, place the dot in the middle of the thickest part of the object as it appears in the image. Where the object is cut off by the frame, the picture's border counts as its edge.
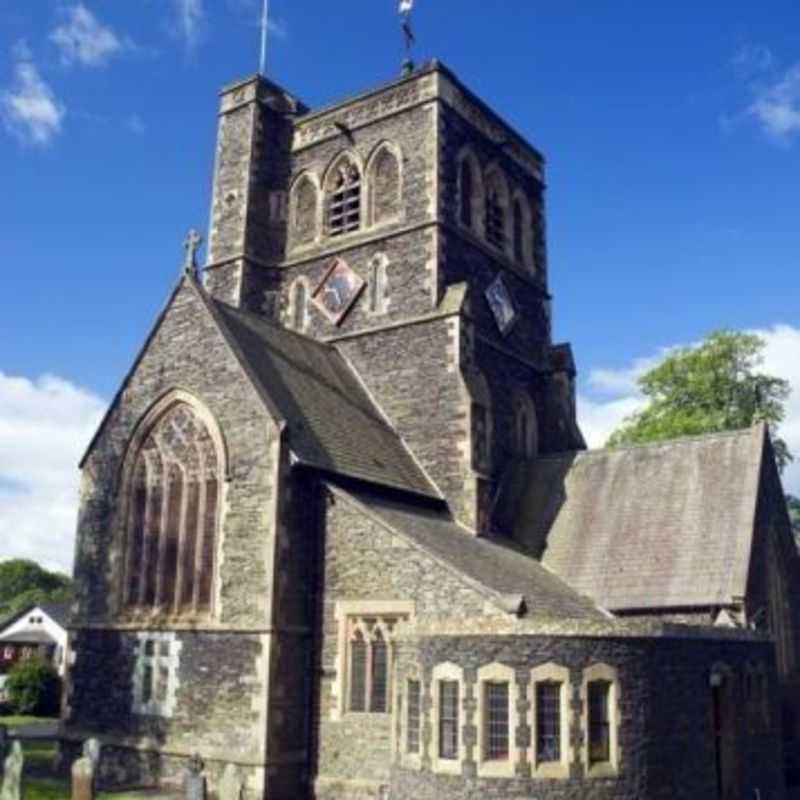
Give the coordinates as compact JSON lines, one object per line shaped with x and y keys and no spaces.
{"x":34,"y":687}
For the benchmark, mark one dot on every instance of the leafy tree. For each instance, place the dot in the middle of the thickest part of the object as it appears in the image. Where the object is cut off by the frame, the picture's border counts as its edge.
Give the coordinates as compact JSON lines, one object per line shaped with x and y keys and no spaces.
{"x":24,"y":582}
{"x":715,"y":386}
{"x":34,"y":687}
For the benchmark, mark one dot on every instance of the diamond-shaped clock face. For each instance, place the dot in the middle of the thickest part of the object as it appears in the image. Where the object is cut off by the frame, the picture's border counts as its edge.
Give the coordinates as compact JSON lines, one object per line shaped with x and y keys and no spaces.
{"x":499,"y":299}
{"x":337,"y":291}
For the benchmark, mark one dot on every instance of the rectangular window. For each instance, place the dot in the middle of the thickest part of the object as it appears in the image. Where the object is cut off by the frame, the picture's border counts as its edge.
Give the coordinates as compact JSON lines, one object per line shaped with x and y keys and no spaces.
{"x":413,"y":717}
{"x":599,"y":722}
{"x":380,"y":675}
{"x":448,"y":720}
{"x":497,"y":721}
{"x":358,"y":675}
{"x":548,"y":722}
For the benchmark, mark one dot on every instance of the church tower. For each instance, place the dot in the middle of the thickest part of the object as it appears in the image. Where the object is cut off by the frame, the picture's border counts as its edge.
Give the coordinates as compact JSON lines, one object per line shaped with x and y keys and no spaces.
{"x":406,"y":225}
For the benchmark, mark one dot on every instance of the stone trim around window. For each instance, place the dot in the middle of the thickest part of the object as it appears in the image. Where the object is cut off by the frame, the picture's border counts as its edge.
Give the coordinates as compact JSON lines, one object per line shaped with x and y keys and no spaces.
{"x":551,"y":673}
{"x":497,"y":768}
{"x":442,"y":673}
{"x":345,"y":611}
{"x":155,"y":674}
{"x":606,"y":674}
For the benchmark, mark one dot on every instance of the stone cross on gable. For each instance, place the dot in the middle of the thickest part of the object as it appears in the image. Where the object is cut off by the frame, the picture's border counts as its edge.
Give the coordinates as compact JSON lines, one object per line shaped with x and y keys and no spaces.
{"x":191,"y":245}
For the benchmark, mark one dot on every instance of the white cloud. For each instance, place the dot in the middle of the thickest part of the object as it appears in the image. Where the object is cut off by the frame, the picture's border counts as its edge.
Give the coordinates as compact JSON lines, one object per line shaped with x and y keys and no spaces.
{"x":83,"y":40}
{"x":753,"y":58}
{"x":191,"y":16}
{"x":777,"y":106}
{"x":29,"y":108}
{"x":45,"y":425}
{"x":612,"y":394}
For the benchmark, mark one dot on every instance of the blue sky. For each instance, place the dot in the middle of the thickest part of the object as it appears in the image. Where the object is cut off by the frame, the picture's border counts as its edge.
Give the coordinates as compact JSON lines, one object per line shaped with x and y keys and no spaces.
{"x":672,"y":133}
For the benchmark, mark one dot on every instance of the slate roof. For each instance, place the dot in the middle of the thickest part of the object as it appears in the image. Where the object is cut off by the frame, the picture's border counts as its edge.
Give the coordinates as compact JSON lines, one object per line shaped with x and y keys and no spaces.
{"x":334,"y":424}
{"x":667,"y":525}
{"x":493,"y":566}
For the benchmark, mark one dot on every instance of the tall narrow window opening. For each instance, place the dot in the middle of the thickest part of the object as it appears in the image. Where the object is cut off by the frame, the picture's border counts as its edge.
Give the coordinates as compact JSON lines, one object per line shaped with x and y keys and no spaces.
{"x":380,"y":674}
{"x":496,"y":696}
{"x":548,"y":722}
{"x":465,"y":195}
{"x":519,"y":232}
{"x":448,"y":720}
{"x":298,"y":305}
{"x":384,"y":180}
{"x":413,"y":717}
{"x":599,"y":722}
{"x":304,"y":211}
{"x":344,"y":199}
{"x":358,"y":673}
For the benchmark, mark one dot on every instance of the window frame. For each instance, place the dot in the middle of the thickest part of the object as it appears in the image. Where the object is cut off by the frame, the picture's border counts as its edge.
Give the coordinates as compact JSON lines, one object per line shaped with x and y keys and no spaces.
{"x":497,"y":673}
{"x":370,"y":172}
{"x":601,"y":673}
{"x":447,"y":672}
{"x":345,"y":612}
{"x":295,"y":242}
{"x":157,"y":703}
{"x":551,"y":673}
{"x":346,"y":160}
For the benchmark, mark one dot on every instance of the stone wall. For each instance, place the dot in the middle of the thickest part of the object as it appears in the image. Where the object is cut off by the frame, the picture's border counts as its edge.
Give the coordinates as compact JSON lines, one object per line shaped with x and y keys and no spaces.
{"x":665,"y":733}
{"x":365,"y":562}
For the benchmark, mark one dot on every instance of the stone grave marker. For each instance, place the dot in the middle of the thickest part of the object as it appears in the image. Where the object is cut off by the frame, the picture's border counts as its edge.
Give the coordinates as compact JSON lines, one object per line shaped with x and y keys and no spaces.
{"x":231,"y":784}
{"x":83,"y":779}
{"x":12,"y":774}
{"x":194,"y":781}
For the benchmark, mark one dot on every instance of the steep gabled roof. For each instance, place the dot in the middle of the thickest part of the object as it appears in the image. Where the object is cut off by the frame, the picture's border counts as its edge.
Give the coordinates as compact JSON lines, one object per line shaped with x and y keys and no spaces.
{"x":666,"y":525}
{"x":334,"y":425}
{"x":507,"y":576}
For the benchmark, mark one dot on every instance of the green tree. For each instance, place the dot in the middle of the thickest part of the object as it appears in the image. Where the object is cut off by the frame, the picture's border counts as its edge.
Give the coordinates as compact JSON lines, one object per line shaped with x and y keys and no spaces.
{"x":715,"y":386}
{"x":34,"y":687}
{"x":793,"y":503}
{"x":23,"y":582}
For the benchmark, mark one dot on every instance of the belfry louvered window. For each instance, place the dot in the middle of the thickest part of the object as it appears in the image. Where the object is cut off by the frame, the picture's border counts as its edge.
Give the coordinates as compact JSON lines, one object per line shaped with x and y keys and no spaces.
{"x":495,"y":220}
{"x":172,"y":516}
{"x":369,"y":657}
{"x":344,"y":200}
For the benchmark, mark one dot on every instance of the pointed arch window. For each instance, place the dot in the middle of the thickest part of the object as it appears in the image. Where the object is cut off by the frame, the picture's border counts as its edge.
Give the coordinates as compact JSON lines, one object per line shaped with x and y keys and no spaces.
{"x":172,"y":516}
{"x":344,"y":199}
{"x":497,"y":211}
{"x":465,"y":195}
{"x":384,"y":179}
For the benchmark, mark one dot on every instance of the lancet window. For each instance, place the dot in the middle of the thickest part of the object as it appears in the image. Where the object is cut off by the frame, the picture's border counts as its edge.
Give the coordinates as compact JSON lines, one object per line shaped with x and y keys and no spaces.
{"x":344,"y":198}
{"x":172,"y":518}
{"x":384,"y":182}
{"x":497,"y":211}
{"x":304,"y":211}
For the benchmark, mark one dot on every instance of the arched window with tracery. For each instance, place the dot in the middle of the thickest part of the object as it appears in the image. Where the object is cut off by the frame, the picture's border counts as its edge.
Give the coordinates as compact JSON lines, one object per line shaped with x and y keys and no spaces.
{"x":343,"y":193}
{"x":304,"y":211}
{"x":497,"y":211}
{"x":174,"y":497}
{"x":384,"y":182}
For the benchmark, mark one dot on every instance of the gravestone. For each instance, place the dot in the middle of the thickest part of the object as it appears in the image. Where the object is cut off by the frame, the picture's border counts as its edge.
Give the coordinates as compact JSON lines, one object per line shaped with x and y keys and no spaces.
{"x":12,"y":774}
{"x":194,"y":780}
{"x":91,"y":750}
{"x":231,"y":784}
{"x":83,"y":779}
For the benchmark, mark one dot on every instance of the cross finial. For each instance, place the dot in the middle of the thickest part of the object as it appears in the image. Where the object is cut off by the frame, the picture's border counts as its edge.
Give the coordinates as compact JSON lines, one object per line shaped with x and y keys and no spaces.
{"x":405,"y":8}
{"x":191,"y":245}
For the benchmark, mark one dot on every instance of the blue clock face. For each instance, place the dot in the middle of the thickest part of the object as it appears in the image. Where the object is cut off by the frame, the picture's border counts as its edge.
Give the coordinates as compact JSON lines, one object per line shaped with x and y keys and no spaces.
{"x":499,"y":299}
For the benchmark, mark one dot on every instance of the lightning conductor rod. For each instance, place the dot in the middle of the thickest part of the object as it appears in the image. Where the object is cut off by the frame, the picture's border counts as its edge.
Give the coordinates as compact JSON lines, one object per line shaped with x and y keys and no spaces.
{"x":262,"y":63}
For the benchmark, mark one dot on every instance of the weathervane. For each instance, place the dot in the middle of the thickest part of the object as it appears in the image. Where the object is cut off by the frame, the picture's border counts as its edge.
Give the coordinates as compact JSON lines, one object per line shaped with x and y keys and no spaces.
{"x":405,"y":9}
{"x":262,"y":63}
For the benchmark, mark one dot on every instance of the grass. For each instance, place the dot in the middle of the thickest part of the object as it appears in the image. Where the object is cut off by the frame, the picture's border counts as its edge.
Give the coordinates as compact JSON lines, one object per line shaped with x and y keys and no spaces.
{"x":12,"y":720}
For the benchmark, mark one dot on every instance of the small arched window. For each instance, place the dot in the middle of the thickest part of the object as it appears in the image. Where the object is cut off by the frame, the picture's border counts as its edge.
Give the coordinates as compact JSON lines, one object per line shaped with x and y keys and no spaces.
{"x":384,"y":180}
{"x":344,"y":198}
{"x":173,"y":502}
{"x":304,"y":211}
{"x":298,"y":305}
{"x":497,"y":212}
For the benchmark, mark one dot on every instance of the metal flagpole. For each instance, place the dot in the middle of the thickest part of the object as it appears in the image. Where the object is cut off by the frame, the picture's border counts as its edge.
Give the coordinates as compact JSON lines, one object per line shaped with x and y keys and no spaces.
{"x":262,"y":64}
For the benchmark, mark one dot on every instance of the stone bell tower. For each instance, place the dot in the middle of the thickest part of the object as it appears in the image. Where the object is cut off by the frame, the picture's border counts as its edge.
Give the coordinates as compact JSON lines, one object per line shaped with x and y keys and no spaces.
{"x":247,"y":232}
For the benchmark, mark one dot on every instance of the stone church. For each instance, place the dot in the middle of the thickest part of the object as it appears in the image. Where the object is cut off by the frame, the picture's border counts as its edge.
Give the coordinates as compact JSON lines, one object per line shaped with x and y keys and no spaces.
{"x":339,"y":528}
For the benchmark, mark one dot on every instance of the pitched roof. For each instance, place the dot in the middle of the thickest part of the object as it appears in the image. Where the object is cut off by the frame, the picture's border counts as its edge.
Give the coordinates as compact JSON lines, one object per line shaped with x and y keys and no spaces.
{"x":492,"y":566}
{"x":334,"y":424}
{"x":58,"y":612}
{"x":666,"y":525}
